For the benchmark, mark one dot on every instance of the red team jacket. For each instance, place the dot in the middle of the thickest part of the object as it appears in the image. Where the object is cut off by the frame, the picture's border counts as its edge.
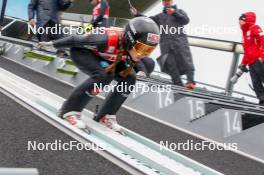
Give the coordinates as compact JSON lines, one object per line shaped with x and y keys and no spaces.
{"x":97,"y":11}
{"x":253,"y":40}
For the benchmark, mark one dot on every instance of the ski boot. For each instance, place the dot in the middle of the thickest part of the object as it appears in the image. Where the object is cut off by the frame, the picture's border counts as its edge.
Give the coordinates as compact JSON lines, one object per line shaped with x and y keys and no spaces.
{"x":110,"y":122}
{"x":74,"y":118}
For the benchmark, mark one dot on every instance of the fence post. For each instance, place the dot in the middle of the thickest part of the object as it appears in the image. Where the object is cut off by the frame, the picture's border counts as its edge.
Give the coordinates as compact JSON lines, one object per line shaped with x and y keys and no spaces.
{"x":2,"y":12}
{"x":229,"y":85}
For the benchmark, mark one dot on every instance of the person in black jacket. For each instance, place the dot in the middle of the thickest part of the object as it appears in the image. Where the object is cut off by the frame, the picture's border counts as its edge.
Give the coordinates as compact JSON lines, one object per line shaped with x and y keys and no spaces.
{"x":46,"y":13}
{"x":176,"y":58}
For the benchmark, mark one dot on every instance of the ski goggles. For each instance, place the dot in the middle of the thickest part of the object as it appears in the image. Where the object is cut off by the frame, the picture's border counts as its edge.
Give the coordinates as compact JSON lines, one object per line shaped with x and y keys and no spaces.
{"x":143,"y":49}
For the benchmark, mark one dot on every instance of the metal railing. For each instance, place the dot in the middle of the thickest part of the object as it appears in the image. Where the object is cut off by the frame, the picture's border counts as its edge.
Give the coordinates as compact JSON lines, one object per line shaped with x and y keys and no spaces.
{"x":208,"y":43}
{"x":221,"y":45}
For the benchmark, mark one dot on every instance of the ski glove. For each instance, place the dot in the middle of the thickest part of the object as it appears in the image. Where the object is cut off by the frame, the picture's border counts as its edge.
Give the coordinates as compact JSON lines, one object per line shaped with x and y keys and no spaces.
{"x":243,"y":68}
{"x":88,"y":27}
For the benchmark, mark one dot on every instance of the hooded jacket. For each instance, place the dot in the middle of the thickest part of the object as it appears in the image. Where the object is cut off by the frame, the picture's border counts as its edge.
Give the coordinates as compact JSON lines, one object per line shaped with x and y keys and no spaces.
{"x":253,"y":39}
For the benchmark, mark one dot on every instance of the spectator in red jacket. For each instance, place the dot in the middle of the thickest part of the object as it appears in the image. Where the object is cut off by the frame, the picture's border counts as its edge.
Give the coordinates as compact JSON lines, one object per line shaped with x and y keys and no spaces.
{"x":253,"y":43}
{"x":101,"y":13}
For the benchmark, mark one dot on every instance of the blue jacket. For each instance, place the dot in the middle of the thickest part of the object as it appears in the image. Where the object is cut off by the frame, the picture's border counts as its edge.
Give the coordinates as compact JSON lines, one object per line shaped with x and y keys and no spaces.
{"x":46,"y":10}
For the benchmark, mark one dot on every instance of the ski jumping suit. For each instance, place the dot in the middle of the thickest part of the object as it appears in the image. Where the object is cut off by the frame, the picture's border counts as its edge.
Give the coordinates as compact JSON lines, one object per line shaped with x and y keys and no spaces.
{"x":253,"y":43}
{"x":88,"y":52}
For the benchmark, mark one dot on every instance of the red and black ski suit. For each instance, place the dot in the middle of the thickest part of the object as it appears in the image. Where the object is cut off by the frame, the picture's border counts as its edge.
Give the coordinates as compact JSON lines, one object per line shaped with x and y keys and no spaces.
{"x":88,"y":52}
{"x":253,"y":43}
{"x":101,"y":13}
